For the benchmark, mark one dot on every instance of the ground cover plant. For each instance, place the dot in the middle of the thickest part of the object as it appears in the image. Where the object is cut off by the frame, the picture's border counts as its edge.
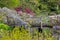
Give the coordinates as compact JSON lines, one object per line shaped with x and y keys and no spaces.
{"x":23,"y":34}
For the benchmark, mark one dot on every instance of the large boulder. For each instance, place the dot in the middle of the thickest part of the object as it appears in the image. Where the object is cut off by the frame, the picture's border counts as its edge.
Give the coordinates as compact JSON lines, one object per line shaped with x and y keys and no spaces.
{"x":12,"y":16}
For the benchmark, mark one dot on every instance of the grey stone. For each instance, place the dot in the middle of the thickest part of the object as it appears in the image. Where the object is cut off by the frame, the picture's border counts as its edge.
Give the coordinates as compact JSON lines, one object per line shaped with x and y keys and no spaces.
{"x":13,"y":14}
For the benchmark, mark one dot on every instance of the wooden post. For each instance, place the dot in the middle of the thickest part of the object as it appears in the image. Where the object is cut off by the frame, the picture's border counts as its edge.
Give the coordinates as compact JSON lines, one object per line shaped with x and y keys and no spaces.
{"x":41,"y":21}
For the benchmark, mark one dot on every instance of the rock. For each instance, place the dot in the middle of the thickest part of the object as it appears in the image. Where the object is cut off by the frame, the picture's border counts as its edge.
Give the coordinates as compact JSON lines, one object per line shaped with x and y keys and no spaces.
{"x":55,"y":19}
{"x":56,"y":27}
{"x":12,"y":14}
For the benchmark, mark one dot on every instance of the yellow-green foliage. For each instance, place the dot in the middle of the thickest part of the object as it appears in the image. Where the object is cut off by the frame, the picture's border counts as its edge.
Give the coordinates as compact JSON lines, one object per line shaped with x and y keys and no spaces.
{"x":9,"y":3}
{"x":17,"y":34}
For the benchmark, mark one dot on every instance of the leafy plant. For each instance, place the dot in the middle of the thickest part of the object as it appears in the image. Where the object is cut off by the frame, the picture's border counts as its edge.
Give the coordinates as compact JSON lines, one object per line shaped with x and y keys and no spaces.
{"x":4,"y":26}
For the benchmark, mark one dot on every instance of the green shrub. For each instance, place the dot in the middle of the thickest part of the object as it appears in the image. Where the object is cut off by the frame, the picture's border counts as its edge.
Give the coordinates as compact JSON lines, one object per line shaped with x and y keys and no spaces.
{"x":4,"y":26}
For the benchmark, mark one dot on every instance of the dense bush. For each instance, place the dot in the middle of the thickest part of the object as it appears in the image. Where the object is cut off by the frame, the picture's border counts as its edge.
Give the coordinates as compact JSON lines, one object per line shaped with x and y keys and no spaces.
{"x":42,"y":6}
{"x":37,"y":6}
